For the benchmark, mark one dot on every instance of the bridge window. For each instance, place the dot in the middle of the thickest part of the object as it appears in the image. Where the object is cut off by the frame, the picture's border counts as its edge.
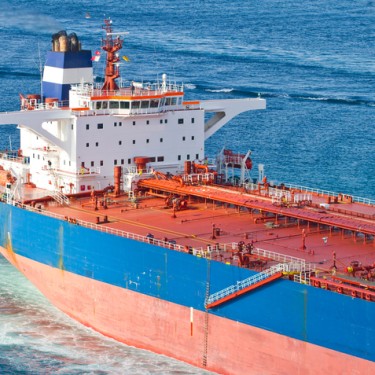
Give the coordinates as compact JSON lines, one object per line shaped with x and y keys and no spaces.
{"x":124,"y":105}
{"x":135,"y":104}
{"x":114,"y":105}
{"x":145,"y":104}
{"x":154,"y":103}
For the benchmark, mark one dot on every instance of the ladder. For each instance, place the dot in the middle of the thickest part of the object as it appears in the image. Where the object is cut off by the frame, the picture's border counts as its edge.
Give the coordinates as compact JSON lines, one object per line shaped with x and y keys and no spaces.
{"x":60,"y":198}
{"x":244,"y":286}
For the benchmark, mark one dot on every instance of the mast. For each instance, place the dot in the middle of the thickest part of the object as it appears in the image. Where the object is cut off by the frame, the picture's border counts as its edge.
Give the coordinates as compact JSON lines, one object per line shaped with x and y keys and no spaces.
{"x":111,"y":46}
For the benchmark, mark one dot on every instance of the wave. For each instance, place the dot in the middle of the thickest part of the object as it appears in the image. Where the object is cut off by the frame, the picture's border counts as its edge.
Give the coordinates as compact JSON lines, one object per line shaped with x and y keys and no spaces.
{"x":8,"y":74}
{"x":190,"y":86}
{"x":298,"y":97}
{"x":219,"y":90}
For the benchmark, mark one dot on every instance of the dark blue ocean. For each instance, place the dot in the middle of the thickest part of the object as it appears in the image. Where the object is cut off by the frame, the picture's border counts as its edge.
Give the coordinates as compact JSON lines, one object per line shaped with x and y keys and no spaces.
{"x":314,"y":62}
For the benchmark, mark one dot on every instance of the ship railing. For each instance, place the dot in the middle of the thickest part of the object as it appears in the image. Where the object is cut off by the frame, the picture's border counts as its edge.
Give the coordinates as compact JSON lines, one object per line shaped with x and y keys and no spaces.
{"x":252,"y":280}
{"x":329,"y":193}
{"x":13,"y":156}
{"x":47,"y":106}
{"x":250,"y":187}
{"x":138,"y":89}
{"x":60,"y":198}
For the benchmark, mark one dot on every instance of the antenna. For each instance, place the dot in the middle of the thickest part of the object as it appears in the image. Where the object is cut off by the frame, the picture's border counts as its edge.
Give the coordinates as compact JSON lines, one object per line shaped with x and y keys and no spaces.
{"x":41,"y":73}
{"x":111,"y":46}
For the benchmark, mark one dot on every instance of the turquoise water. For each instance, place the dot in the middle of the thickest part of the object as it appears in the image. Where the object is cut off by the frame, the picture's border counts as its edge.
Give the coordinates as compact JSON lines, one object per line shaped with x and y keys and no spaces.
{"x":312,"y":60}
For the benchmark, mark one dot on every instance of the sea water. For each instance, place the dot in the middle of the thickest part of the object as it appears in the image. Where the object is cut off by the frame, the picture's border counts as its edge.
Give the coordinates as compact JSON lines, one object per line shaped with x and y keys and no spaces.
{"x":313,"y":61}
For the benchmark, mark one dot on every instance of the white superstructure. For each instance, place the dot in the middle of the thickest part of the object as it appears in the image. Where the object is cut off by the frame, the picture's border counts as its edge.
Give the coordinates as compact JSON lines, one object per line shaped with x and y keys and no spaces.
{"x":74,"y":148}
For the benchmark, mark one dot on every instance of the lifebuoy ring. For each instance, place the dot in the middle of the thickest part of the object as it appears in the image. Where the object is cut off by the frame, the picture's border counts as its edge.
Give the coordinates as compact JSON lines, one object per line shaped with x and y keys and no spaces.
{"x":354,"y":293}
{"x":339,"y":289}
{"x":317,"y":283}
{"x":368,"y":297}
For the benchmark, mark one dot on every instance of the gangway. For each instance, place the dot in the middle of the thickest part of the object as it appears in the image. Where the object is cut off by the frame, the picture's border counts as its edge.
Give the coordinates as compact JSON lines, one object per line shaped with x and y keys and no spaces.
{"x":60,"y":198}
{"x":244,"y":286}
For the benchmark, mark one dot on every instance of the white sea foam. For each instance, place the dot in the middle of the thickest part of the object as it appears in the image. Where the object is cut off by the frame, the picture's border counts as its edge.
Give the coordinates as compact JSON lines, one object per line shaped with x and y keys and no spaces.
{"x":219,"y":90}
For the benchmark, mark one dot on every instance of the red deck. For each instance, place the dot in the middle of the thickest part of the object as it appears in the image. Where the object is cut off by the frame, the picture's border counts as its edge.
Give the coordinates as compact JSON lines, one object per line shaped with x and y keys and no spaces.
{"x":221,"y":218}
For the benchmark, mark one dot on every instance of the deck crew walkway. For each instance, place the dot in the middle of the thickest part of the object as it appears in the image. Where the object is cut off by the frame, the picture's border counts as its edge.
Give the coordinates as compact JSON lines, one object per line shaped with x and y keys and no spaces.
{"x":348,"y":220}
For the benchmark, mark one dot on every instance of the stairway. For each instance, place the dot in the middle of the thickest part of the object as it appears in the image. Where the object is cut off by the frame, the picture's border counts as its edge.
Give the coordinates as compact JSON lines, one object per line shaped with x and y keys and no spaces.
{"x":60,"y":198}
{"x":246,"y":285}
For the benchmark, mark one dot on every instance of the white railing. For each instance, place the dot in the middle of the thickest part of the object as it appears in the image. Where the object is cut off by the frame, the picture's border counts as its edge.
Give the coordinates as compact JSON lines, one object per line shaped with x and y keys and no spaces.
{"x":252,"y":280}
{"x":329,"y":193}
{"x":254,"y":187}
{"x":60,"y":198}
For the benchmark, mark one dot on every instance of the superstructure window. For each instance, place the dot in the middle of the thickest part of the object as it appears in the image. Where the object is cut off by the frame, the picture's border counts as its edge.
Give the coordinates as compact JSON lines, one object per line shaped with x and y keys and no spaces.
{"x":87,"y":126}
{"x":129,"y":161}
{"x":100,"y":126}
{"x":160,"y":158}
{"x":114,"y":105}
{"x":192,"y":137}
{"x":183,"y":138}
{"x":133,"y":141}
{"x":188,"y":157}
{"x":180,"y":120}
{"x":120,"y":143}
{"x":145,"y":104}
{"x":197,"y":156}
{"x":148,"y":122}
{"x":115,"y":124}
{"x":115,"y":162}
{"x":122,"y":161}
{"x":101,"y":163}
{"x":87,"y":144}
{"x":134,"y":123}
{"x":92,"y":163}
{"x":96,"y":144}
{"x":178,"y":157}
{"x":161,"y":140}
{"x":154,"y":103}
{"x":147,"y":141}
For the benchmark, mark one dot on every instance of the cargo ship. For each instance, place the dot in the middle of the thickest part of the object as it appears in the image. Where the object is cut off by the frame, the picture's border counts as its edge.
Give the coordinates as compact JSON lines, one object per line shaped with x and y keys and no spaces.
{"x":111,"y":208}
